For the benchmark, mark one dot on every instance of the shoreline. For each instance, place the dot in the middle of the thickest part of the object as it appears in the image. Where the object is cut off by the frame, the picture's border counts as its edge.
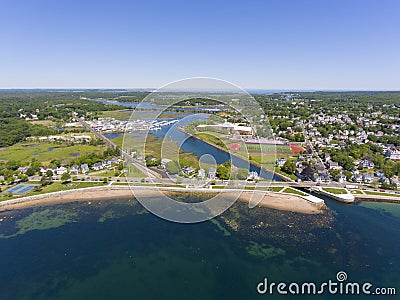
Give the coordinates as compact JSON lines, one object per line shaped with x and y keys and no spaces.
{"x":279,"y":201}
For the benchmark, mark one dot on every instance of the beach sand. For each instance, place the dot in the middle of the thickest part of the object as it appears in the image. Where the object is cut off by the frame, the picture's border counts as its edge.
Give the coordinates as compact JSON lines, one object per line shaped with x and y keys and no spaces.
{"x":271,"y":200}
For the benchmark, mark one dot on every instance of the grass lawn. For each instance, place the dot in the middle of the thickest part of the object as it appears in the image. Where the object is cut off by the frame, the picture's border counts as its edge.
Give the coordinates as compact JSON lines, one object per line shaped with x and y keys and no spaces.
{"x":56,"y":187}
{"x":276,"y":189}
{"x":118,"y":141}
{"x":134,"y":172}
{"x":293,"y":191}
{"x":356,"y":192}
{"x":336,"y":191}
{"x":123,"y":114}
{"x":107,"y":173}
{"x":45,"y":152}
{"x":48,"y":123}
{"x":284,"y":149}
{"x":212,"y":139}
{"x":216,"y":187}
{"x":381,"y":193}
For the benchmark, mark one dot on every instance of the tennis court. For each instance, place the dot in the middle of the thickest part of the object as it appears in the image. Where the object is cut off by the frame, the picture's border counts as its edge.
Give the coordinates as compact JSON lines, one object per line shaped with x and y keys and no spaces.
{"x":20,"y":189}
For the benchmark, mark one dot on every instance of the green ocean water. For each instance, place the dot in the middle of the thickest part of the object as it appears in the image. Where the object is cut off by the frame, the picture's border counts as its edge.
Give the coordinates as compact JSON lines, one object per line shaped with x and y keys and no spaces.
{"x":114,"y":249}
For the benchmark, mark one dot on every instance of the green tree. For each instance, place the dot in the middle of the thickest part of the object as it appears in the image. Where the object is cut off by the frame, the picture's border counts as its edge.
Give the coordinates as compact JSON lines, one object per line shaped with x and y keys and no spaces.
{"x":242,"y":173}
{"x":65,"y":177}
{"x":223,"y":172}
{"x":23,"y":177}
{"x":45,"y":180}
{"x":289,"y":167}
{"x":30,"y":171}
{"x":172,"y":167}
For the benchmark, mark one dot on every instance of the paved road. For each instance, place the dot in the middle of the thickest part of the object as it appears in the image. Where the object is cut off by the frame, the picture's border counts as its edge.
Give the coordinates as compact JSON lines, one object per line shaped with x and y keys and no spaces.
{"x":127,"y":157}
{"x":308,"y":142}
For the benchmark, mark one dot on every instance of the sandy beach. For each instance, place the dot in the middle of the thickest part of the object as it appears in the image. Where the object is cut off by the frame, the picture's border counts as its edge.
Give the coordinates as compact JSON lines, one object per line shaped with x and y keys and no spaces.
{"x":271,"y":200}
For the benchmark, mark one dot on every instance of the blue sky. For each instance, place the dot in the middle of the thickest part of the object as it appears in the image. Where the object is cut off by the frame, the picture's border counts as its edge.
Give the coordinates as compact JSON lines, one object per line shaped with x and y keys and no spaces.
{"x":273,"y":44}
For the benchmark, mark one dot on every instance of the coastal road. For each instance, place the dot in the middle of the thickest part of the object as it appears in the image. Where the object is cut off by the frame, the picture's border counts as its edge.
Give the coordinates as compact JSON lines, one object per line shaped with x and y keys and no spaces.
{"x":127,"y":157}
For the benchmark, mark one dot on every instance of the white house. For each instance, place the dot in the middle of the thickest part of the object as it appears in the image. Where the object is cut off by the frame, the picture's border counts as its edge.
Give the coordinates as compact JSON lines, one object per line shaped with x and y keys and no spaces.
{"x":201,"y":174}
{"x":61,"y":170}
{"x":368,"y":178}
{"x":74,"y":170}
{"x":98,"y":166}
{"x":164,"y":162}
{"x":341,"y":178}
{"x":84,"y":168}
{"x":280,"y":162}
{"x":188,"y":170}
{"x":212,"y":173}
{"x":252,"y":176}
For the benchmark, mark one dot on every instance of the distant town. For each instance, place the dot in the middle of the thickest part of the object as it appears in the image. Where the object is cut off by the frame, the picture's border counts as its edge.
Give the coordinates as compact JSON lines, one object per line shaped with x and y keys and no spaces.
{"x":347,"y":140}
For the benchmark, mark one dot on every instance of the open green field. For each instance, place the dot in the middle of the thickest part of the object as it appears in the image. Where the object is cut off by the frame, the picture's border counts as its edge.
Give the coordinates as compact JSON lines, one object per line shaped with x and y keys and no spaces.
{"x":293,"y":191}
{"x":58,"y":186}
{"x":336,"y":191}
{"x":358,"y":192}
{"x":132,"y":171}
{"x":47,"y":123}
{"x":381,"y":193}
{"x":264,"y":148}
{"x":117,"y":114}
{"x":46,"y":152}
{"x":106,"y":173}
{"x":212,"y":139}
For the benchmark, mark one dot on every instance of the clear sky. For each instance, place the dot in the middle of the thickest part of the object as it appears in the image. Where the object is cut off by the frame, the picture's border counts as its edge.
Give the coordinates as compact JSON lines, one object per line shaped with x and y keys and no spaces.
{"x":271,"y":44}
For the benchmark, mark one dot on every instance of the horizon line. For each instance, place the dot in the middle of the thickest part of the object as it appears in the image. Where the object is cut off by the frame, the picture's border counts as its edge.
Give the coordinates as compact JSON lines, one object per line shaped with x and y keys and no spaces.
{"x":76,"y":89}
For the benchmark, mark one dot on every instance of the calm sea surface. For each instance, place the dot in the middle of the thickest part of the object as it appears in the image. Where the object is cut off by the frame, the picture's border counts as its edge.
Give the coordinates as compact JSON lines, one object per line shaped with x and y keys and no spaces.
{"x":114,"y":249}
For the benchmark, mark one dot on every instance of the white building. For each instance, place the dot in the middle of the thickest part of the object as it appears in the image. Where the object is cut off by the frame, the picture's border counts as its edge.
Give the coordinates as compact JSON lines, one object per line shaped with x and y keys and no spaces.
{"x":61,"y":170}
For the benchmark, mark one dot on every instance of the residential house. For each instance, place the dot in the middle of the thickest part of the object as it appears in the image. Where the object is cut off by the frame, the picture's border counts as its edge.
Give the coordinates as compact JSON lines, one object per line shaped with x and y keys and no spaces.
{"x":333,"y":165}
{"x":357,"y":178}
{"x":212,"y":173}
{"x":61,"y":171}
{"x":368,"y":178}
{"x":341,"y":178}
{"x":365,"y":163}
{"x":188,"y":170}
{"x":164,"y":162}
{"x":327,"y":157}
{"x":322,"y":178}
{"x":106,"y":164}
{"x":201,"y":174}
{"x":43,"y":170}
{"x":253,"y":176}
{"x":23,"y":170}
{"x":84,"y":168}
{"x":384,"y":180}
{"x":81,"y":138}
{"x":115,"y":160}
{"x":280,"y":162}
{"x":395,"y":181}
{"x":98,"y":166}
{"x":74,"y":170}
{"x":393,"y":154}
